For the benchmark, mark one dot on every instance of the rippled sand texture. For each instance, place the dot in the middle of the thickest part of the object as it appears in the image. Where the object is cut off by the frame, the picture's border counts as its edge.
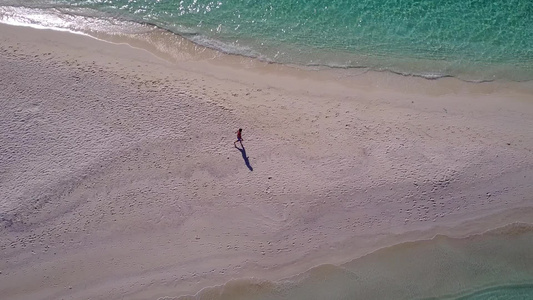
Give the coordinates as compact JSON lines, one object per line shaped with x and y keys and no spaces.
{"x":119,"y":178}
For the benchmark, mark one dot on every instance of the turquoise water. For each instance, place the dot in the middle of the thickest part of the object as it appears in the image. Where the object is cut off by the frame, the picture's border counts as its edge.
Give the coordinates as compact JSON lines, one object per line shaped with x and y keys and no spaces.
{"x":522,"y":292}
{"x":470,"y":39}
{"x":494,"y":265}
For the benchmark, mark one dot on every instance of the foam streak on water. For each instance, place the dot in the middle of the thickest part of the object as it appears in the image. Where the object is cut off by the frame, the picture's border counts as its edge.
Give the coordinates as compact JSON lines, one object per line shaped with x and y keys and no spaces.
{"x":470,"y":39}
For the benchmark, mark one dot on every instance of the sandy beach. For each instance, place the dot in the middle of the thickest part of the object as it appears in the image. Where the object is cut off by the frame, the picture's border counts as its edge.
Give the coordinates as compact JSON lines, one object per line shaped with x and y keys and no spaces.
{"x":119,"y":178}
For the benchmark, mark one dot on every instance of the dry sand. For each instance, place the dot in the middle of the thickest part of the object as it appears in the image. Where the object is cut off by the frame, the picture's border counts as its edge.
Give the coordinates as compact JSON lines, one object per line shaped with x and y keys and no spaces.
{"x":119,"y":178}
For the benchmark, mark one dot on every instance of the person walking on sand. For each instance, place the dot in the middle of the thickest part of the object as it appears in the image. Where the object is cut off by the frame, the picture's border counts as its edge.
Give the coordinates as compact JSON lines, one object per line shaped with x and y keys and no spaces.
{"x":239,"y":137}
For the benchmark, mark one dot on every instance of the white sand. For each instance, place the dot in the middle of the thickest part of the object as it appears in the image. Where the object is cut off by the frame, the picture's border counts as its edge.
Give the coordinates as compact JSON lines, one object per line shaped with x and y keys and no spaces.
{"x":119,"y":179}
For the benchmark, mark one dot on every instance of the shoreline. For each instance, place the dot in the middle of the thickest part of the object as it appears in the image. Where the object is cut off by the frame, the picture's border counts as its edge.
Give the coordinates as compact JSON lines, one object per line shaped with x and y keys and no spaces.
{"x":211,"y":62}
{"x":335,"y":159}
{"x":159,"y":41}
{"x":138,"y":31}
{"x":254,"y":287}
{"x":174,"y":46}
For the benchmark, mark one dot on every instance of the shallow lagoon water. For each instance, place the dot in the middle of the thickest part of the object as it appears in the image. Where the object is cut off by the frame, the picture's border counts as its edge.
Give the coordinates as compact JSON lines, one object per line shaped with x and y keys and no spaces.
{"x":472,"y":40}
{"x":494,"y":265}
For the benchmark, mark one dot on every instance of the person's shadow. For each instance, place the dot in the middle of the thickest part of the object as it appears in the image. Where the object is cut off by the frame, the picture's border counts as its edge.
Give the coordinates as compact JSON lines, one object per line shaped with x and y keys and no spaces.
{"x":246,"y":161}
